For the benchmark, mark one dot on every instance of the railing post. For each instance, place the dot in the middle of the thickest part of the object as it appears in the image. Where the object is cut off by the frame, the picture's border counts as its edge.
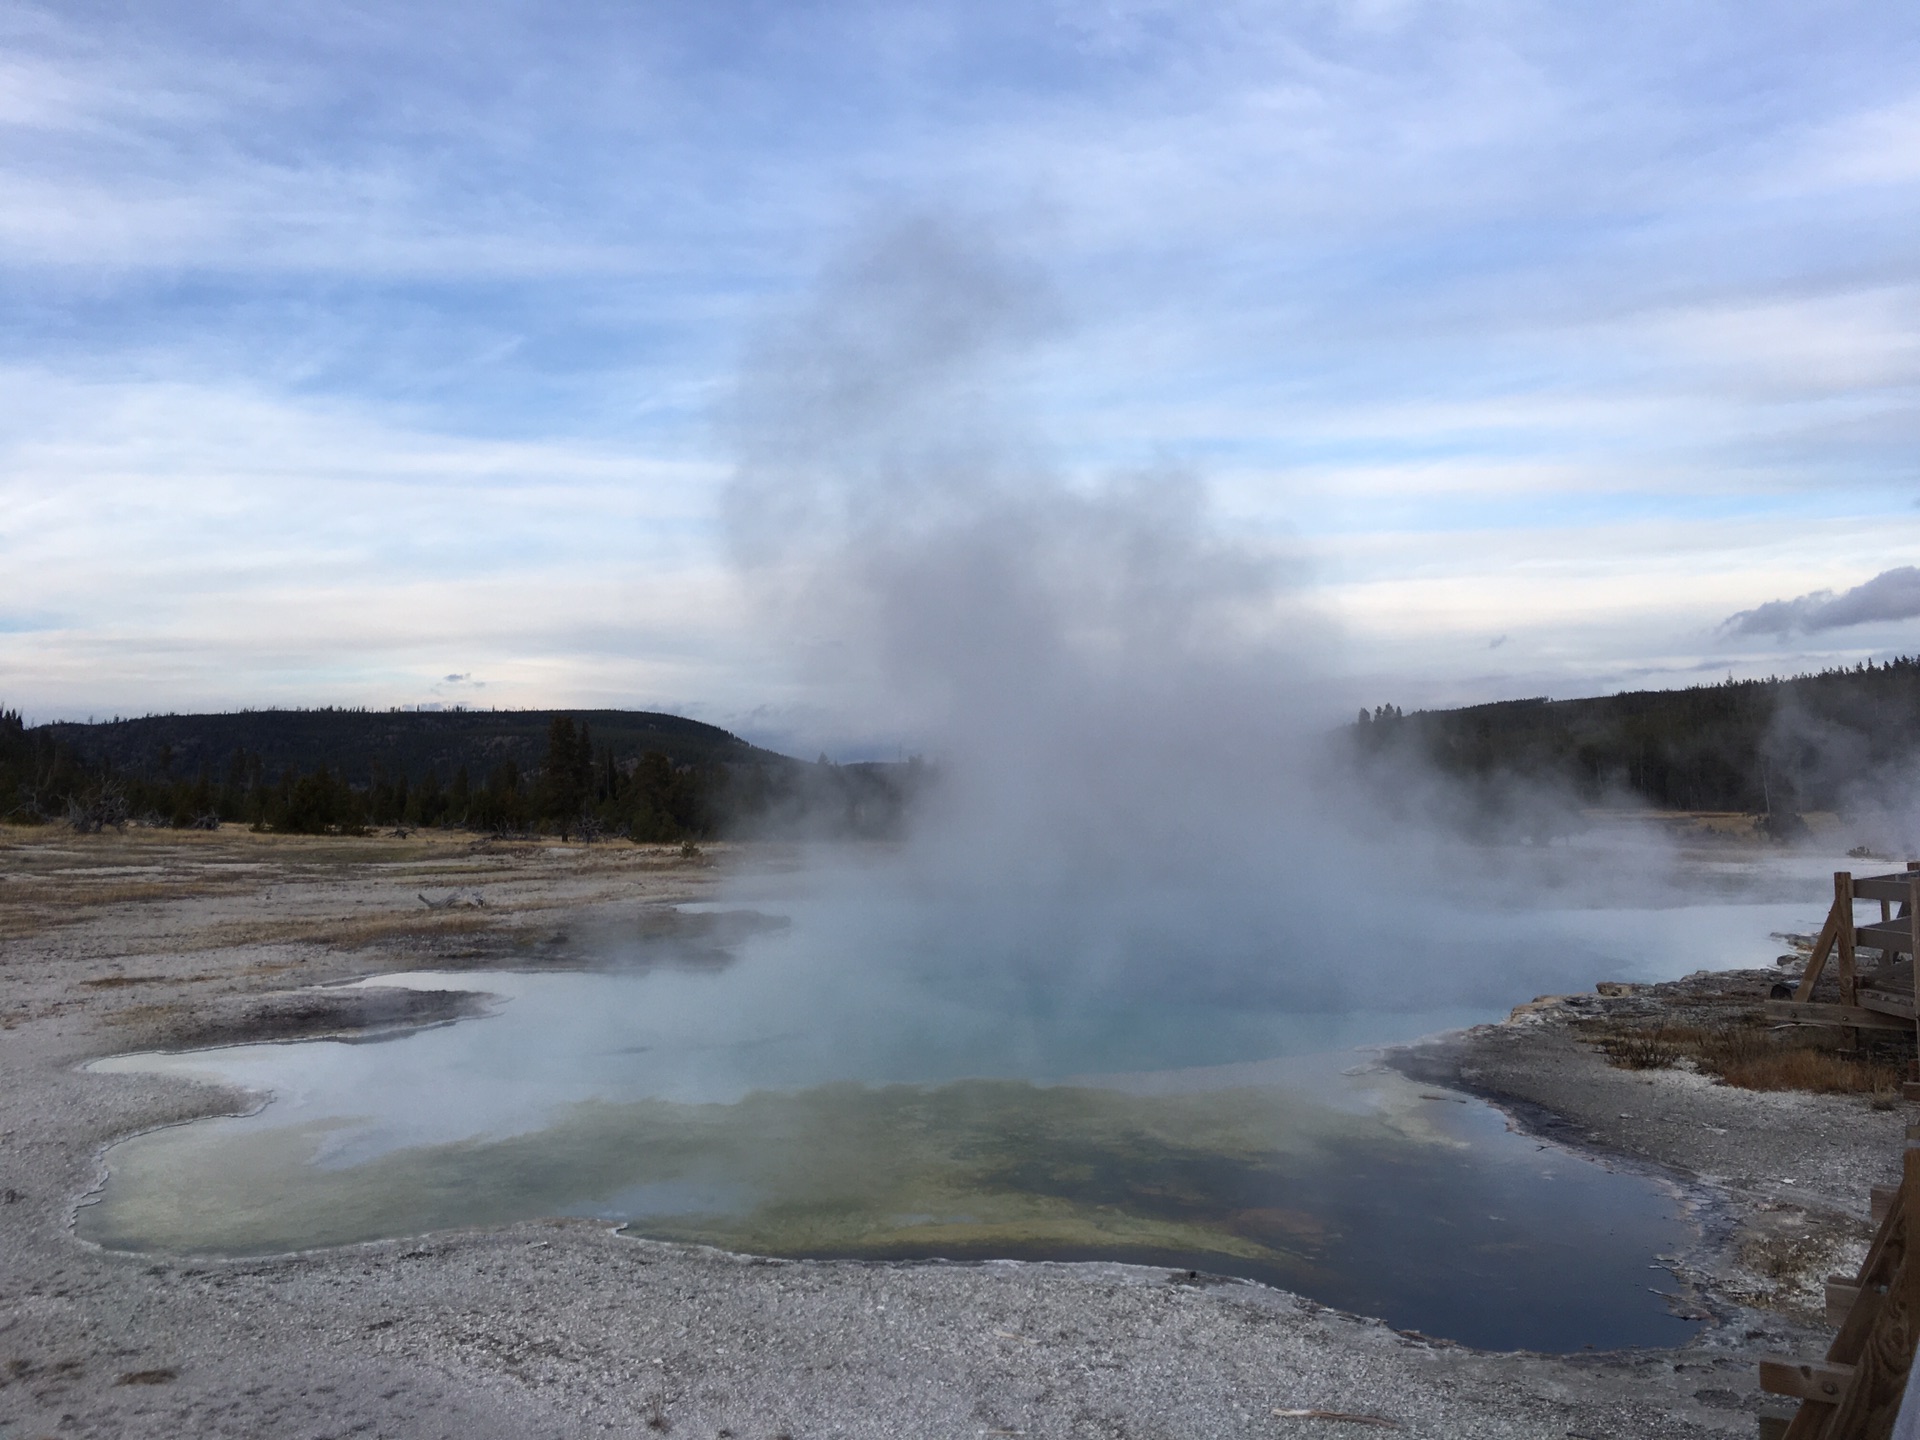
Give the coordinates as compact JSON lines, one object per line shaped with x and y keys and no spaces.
{"x":1913,"y":939}
{"x":1843,"y":908}
{"x":1844,"y":946}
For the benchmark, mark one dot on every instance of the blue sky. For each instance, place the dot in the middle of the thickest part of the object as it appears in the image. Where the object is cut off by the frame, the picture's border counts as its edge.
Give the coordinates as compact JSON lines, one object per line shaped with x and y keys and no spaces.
{"x":351,"y":348}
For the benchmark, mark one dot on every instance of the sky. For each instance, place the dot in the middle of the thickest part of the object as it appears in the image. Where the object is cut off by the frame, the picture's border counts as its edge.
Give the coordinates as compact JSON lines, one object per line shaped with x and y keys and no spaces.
{"x":383,"y":354}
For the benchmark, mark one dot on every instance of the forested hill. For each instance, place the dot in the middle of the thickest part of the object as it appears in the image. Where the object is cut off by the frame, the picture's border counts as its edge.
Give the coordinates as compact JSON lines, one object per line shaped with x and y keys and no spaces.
{"x":354,"y":744}
{"x":1809,"y":742}
{"x":638,"y":774}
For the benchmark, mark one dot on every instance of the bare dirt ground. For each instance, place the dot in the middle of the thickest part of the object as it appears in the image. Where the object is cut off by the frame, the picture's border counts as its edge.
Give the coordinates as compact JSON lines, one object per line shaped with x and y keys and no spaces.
{"x":559,"y":1328}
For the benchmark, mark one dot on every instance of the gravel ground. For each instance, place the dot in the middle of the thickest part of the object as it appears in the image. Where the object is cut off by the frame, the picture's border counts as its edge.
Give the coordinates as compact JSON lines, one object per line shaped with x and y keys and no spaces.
{"x":561,"y":1328}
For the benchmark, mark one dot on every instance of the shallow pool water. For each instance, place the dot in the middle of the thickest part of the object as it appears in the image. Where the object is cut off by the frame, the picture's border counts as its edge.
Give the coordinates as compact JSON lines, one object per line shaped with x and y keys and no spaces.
{"x":762,"y":1086}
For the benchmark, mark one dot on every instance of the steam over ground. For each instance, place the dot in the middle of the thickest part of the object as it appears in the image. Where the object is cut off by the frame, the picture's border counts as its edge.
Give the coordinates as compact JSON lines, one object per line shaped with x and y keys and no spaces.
{"x":1131,"y":713}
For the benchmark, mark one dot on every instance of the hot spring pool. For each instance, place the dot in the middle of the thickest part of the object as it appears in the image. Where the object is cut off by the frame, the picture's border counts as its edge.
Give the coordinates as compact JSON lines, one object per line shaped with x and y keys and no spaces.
{"x":750,"y":1083}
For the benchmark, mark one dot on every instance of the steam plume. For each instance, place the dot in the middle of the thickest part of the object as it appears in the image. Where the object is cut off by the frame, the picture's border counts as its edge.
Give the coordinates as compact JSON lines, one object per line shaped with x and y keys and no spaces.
{"x":1130,"y":709}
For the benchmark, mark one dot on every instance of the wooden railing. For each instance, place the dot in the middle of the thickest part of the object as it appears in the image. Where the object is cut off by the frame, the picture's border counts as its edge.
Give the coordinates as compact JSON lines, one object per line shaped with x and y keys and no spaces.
{"x":1855,"y":1392}
{"x":1881,"y":998}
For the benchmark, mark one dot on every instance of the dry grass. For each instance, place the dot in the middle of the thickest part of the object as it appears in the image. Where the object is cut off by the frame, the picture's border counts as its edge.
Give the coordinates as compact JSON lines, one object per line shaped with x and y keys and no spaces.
{"x":133,"y":1015}
{"x":1751,"y":1055}
{"x":346,"y":934}
{"x":19,"y":924}
{"x":124,"y":892}
{"x":139,"y":892}
{"x":28,"y":907}
{"x":1817,"y":1071}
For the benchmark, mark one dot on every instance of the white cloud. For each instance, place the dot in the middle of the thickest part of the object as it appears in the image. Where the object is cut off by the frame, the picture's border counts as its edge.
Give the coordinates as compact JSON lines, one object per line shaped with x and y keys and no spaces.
{"x":180,"y":545}
{"x":1877,"y":146}
{"x":1538,"y":321}
{"x":1848,"y":343}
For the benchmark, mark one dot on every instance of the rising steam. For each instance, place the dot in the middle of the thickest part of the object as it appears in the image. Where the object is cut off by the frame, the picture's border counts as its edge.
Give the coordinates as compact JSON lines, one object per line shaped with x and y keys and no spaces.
{"x":1131,"y":711}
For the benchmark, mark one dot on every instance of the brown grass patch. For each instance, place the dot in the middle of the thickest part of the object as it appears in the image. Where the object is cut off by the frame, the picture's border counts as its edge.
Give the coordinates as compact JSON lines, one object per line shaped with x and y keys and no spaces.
{"x":119,"y":982}
{"x":1816,"y":1071}
{"x":110,"y":892}
{"x":34,"y":906}
{"x":82,"y":890}
{"x":349,"y":934}
{"x":19,"y":924}
{"x":1751,"y":1055}
{"x":147,"y":1014}
{"x":31,"y":906}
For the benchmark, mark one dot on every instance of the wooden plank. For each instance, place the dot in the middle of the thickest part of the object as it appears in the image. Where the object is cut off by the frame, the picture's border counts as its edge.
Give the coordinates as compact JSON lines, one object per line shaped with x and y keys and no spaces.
{"x":1885,"y":935}
{"x":1857,"y":1016}
{"x":1884,"y":1003}
{"x":1821,"y":1380}
{"x":1774,"y":1427}
{"x":1822,"y":947}
{"x":1883,"y":888}
{"x":1842,"y":1291}
{"x":1854,"y":1333}
{"x":1880,"y":1198}
{"x":1894,"y":976}
{"x":1883,"y":1255}
{"x":1844,"y":956}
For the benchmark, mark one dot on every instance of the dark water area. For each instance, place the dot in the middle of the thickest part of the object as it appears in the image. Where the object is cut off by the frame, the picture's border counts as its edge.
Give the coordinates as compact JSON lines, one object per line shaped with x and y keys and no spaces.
{"x":1491,"y":1238}
{"x":1552,"y":1257}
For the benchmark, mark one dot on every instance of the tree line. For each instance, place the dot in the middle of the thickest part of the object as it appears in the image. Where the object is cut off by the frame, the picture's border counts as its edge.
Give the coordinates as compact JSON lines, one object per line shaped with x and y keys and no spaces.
{"x":578,"y":788}
{"x":1824,"y":741}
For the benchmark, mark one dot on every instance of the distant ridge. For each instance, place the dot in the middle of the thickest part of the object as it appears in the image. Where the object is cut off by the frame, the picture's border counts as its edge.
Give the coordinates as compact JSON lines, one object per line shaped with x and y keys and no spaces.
{"x":401,"y":742}
{"x":641,"y":774}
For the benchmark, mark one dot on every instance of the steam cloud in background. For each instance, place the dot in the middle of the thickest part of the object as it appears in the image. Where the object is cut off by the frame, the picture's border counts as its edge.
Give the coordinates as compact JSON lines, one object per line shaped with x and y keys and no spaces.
{"x":1142,"y":788}
{"x":1880,"y":792}
{"x":1890,"y":595}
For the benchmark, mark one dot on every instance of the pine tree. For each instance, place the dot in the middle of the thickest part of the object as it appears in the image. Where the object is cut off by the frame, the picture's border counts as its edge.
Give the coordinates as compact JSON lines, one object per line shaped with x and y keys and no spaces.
{"x":583,"y":767}
{"x":564,"y":783}
{"x":460,"y":798}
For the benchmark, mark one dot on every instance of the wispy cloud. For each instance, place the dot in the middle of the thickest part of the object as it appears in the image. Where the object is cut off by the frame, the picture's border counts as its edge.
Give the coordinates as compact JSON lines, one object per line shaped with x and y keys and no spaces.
{"x":282,"y":300}
{"x":1890,"y":595}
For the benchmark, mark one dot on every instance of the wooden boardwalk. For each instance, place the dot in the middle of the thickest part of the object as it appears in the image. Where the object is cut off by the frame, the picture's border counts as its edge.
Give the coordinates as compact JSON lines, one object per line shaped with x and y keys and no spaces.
{"x":1855,"y":1393}
{"x":1878,"y":998}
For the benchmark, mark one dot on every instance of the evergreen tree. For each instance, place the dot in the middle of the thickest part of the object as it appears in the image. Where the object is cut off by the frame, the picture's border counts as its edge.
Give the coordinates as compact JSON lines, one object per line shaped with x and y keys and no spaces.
{"x":566,"y":775}
{"x":583,"y":766}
